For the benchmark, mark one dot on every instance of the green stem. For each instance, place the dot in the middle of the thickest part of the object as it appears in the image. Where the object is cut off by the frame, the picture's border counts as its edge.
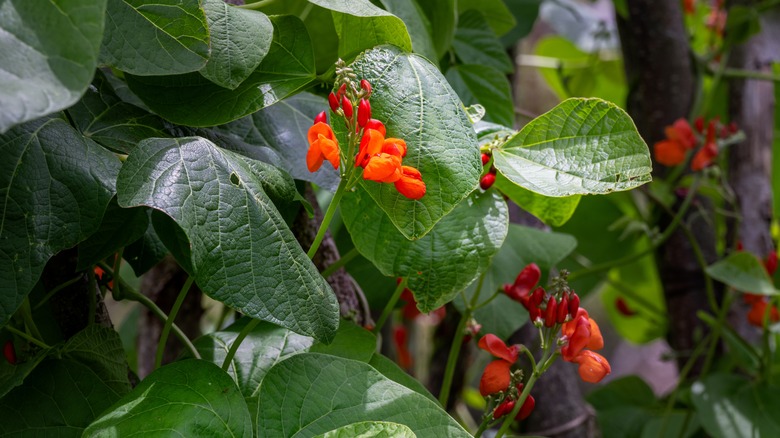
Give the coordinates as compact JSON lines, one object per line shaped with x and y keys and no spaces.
{"x":24,"y":335}
{"x":51,"y":293}
{"x":343,"y":260}
{"x":486,"y":420}
{"x":660,"y":241}
{"x":28,"y":319}
{"x":237,"y":343}
{"x":169,"y":322}
{"x":716,"y":78}
{"x":117,"y":290}
{"x":510,"y":418}
{"x":334,"y":203}
{"x":390,"y":306}
{"x":257,"y":5}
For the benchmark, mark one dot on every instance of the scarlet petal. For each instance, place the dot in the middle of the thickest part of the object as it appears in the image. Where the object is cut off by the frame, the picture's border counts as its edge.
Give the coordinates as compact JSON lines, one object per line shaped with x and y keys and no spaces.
{"x":669,"y":152}
{"x":682,"y":133}
{"x":596,"y":341}
{"x":495,"y":378}
{"x":410,"y":184}
{"x":503,"y":409}
{"x":314,"y":158}
{"x":578,"y":338}
{"x":318,"y":129}
{"x":383,"y":168}
{"x":376,"y":125}
{"x":593,"y":366}
{"x":370,"y":145}
{"x":495,"y":346}
{"x":527,"y":408}
{"x":704,"y":157}
{"x":394,"y":146}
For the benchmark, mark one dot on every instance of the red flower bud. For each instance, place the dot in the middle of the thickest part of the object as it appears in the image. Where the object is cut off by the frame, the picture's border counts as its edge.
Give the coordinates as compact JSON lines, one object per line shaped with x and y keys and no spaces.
{"x":550,"y":312}
{"x":485,"y":159}
{"x":346,"y":105}
{"x":321,"y":118}
{"x":574,"y":304}
{"x":364,"y":84}
{"x":699,"y":124}
{"x":364,"y":112}
{"x":770,"y":263}
{"x":333,"y":101}
{"x":503,"y":409}
{"x":495,"y":378}
{"x":526,"y":409}
{"x":562,"y":311}
{"x":9,"y":352}
{"x":534,"y":313}
{"x":487,"y":181}
{"x":342,"y":91}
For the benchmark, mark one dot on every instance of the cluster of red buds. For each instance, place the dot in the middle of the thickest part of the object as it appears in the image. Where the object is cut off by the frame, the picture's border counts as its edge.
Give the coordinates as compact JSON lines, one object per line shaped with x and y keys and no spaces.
{"x":681,"y":138}
{"x":489,"y":178}
{"x":380,"y":158}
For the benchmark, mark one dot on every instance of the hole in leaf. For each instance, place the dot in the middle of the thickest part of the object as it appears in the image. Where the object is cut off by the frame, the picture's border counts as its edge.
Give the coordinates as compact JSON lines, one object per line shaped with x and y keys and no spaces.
{"x":235,"y":179}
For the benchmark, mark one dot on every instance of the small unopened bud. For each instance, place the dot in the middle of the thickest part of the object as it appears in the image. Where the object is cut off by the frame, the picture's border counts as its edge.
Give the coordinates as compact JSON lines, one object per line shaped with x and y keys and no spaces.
{"x":538,"y":296}
{"x":364,"y":84}
{"x":342,"y":91}
{"x":550,"y":312}
{"x":346,"y":105}
{"x":485,"y":159}
{"x":333,"y":101}
{"x":364,"y":112}
{"x":563,"y":310}
{"x":321,"y":118}
{"x":487,"y":181}
{"x":574,"y":305}
{"x":9,"y":352}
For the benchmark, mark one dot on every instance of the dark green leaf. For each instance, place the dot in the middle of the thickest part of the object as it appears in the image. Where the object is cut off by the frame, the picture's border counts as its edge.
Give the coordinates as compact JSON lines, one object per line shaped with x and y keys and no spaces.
{"x":582,"y":146}
{"x":443,"y":16}
{"x":187,"y":398}
{"x":49,"y":52}
{"x":12,"y":376}
{"x":415,"y":102}
{"x":417,"y":25}
{"x":59,"y":398}
{"x":442,"y":263}
{"x":146,"y":251}
{"x":525,"y":13}
{"x":486,"y":86}
{"x":370,"y":429}
{"x":630,"y":390}
{"x":495,"y":12}
{"x":242,"y":253}
{"x":194,"y":101}
{"x":675,"y":423}
{"x":312,"y":393}
{"x":240,"y":39}
{"x":55,"y":185}
{"x":101,"y":350}
{"x":161,"y":38}
{"x":120,"y":227}
{"x":476,"y":43}
{"x":552,"y":211}
{"x":105,"y":118}
{"x":742,"y":23}
{"x":744,"y":272}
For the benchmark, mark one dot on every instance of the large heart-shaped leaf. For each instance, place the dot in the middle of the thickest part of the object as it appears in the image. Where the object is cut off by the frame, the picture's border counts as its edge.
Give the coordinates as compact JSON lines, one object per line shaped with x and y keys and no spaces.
{"x":240,"y":39}
{"x":120,"y":227}
{"x":100,"y":348}
{"x":743,"y":271}
{"x":442,"y":263}
{"x":12,"y":376}
{"x":313,"y":393}
{"x":145,"y":252}
{"x":54,"y":187}
{"x":486,"y":86}
{"x":582,"y":146}
{"x":476,"y":43}
{"x":187,"y":398}
{"x":415,"y":102}
{"x":370,"y":429}
{"x":160,"y":38}
{"x":242,"y":253}
{"x":49,"y":52}
{"x":193,"y":100}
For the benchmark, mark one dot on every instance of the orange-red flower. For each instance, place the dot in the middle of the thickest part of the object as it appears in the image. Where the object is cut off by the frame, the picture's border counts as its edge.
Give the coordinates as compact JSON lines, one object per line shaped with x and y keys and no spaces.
{"x":526,"y":280}
{"x":581,"y":333}
{"x":708,"y":152}
{"x":758,"y":309}
{"x":679,"y":139}
{"x":682,"y":133}
{"x":495,"y":346}
{"x":593,"y":366}
{"x":410,"y":184}
{"x":383,"y":168}
{"x":322,"y":146}
{"x":496,"y":378}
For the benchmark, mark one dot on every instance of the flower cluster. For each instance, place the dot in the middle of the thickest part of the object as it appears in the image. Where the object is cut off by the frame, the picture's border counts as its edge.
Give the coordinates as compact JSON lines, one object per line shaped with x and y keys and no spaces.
{"x":490,"y":177}
{"x":681,"y":138}
{"x":499,"y":380}
{"x":380,"y":158}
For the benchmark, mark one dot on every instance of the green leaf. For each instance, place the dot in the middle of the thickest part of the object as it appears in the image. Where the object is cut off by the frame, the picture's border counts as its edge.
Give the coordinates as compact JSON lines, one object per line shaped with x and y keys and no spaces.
{"x":12,"y":376}
{"x":582,"y":146}
{"x":360,"y":25}
{"x":49,"y":52}
{"x":443,"y":16}
{"x":495,"y":12}
{"x":278,"y":135}
{"x":240,"y":39}
{"x":416,"y":104}
{"x":191,"y":397}
{"x":523,"y":245}
{"x":552,"y":211}
{"x":147,"y":251}
{"x":624,"y":406}
{"x":486,"y":86}
{"x":476,"y":43}
{"x":161,"y":38}
{"x":59,"y":398}
{"x":525,"y":13}
{"x":744,"y":272}
{"x":242,"y":253}
{"x":101,"y":350}
{"x":120,"y":227}
{"x":195,"y":101}
{"x":417,"y":25}
{"x":731,"y":406}
{"x":680,"y":424}
{"x":370,"y":429}
{"x":106,"y":119}
{"x":442,"y":263}
{"x":312,"y":393}
{"x":54,"y":185}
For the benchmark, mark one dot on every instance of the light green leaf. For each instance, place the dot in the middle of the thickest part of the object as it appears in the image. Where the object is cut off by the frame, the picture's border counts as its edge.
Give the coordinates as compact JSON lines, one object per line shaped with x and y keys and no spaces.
{"x":240,"y":39}
{"x":417,"y":25}
{"x":552,"y":211}
{"x":415,"y":102}
{"x":161,"y":38}
{"x":101,"y":350}
{"x":312,"y":393}
{"x":730,"y":406}
{"x":194,"y":101}
{"x":744,"y":272}
{"x":486,"y":86}
{"x":360,"y":25}
{"x":523,"y":245}
{"x":54,"y":186}
{"x":443,"y":16}
{"x":582,"y":146}
{"x":59,"y":398}
{"x":442,"y":263}
{"x":496,"y":13}
{"x":115,"y":124}
{"x":242,"y":253}
{"x":370,"y":429}
{"x":476,"y":43}
{"x":49,"y":52}
{"x":187,"y":398}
